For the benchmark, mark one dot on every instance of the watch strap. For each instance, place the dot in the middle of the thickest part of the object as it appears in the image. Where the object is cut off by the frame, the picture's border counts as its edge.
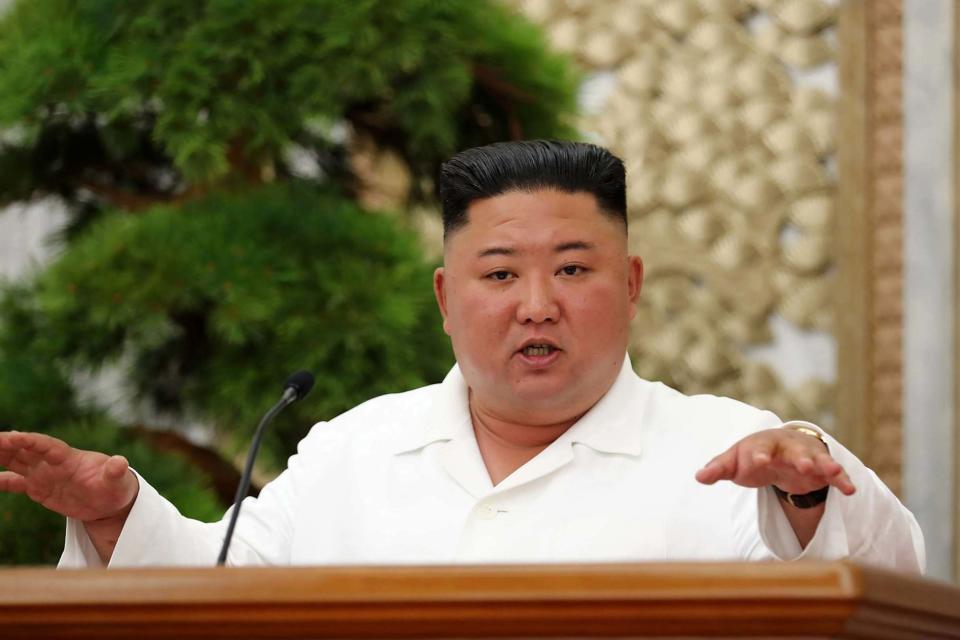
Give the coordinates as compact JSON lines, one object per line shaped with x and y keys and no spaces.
{"x":803,"y":500}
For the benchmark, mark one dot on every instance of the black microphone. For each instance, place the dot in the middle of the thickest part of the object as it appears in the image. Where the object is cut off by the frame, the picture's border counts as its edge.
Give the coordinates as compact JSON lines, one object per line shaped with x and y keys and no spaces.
{"x":297,"y":386}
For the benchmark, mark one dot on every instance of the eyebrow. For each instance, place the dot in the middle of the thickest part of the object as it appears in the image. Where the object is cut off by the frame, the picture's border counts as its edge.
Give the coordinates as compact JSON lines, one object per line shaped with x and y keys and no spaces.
{"x":577,"y":245}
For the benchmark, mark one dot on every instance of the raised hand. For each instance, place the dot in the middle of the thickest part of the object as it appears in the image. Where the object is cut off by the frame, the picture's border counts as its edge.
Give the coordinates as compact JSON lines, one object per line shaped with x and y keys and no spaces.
{"x":785,"y":458}
{"x":86,"y":485}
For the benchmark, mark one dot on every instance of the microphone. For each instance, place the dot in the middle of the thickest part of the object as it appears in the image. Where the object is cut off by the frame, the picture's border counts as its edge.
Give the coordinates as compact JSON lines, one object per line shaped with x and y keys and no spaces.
{"x":296,"y":387}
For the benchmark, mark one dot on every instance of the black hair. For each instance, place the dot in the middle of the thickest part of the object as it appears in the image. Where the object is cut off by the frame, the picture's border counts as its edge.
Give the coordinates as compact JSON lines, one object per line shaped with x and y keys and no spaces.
{"x":530,"y":165}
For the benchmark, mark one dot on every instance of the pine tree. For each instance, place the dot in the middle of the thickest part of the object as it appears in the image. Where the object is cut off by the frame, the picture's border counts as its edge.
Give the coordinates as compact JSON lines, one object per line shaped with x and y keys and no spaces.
{"x":215,"y":242}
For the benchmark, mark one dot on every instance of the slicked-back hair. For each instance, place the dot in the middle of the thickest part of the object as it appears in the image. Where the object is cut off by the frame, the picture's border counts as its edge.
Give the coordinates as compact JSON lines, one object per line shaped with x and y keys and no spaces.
{"x":530,"y":165}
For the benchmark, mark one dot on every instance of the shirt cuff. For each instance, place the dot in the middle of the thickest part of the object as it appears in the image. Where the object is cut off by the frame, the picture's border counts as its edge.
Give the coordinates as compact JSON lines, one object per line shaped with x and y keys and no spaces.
{"x":78,"y":549}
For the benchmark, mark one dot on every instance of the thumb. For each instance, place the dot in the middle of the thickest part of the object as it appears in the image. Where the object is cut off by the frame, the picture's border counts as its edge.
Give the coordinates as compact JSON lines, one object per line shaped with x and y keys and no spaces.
{"x":114,"y":468}
{"x":723,"y":467}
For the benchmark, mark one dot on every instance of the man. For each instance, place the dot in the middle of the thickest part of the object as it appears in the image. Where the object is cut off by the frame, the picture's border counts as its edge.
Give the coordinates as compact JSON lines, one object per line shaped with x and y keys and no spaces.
{"x":541,"y":445}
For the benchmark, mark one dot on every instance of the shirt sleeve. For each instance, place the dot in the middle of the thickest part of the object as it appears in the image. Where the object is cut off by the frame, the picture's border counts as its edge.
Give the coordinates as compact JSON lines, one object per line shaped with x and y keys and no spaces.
{"x":871,"y":526}
{"x":156,"y":534}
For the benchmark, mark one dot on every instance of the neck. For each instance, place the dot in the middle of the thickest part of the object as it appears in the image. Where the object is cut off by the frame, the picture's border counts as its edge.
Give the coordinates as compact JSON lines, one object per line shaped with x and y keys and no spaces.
{"x":506,"y":445}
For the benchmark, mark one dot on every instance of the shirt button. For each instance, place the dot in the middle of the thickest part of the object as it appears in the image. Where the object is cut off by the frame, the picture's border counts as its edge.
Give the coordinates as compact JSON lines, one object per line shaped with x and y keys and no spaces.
{"x":487,"y":511}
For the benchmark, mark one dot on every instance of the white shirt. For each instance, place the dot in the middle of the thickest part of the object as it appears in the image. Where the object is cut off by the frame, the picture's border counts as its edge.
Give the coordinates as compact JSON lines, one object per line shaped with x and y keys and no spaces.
{"x":399,"y":479}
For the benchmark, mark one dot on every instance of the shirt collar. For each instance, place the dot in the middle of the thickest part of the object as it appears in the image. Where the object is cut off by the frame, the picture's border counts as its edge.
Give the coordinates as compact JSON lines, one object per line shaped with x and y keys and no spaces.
{"x":446,"y":418}
{"x":612,"y":425}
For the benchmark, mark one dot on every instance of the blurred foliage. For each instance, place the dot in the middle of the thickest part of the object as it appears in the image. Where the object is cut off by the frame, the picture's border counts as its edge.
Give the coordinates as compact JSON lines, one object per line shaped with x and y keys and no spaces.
{"x":34,"y":390}
{"x":214,"y":244}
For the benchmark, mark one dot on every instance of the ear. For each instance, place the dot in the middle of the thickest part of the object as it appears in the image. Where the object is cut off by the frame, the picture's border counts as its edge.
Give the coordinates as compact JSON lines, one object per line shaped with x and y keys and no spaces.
{"x":634,"y":281}
{"x":441,"y":295}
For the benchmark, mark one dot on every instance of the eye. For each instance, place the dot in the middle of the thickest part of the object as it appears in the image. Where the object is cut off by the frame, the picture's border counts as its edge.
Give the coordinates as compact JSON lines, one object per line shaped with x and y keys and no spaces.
{"x":499,"y":275}
{"x":572,"y":270}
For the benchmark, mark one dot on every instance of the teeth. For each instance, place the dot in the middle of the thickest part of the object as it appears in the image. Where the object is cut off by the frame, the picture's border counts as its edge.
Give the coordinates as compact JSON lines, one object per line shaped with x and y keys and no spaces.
{"x":537,"y":350}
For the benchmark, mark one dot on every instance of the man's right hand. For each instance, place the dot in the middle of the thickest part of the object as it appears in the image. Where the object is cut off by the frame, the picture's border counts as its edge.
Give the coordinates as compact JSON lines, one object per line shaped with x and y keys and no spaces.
{"x":92,"y":487}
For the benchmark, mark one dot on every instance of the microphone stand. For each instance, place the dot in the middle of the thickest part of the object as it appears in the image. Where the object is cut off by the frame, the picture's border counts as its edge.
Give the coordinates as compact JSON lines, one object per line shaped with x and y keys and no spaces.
{"x":298,"y":386}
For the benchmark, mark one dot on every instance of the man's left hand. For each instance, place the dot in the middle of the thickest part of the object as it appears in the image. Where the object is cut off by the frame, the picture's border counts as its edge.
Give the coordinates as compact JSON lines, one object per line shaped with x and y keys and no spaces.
{"x":783,"y":457}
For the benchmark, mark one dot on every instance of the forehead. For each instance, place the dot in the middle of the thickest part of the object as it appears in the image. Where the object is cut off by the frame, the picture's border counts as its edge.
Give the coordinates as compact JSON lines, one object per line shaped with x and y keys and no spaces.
{"x":520,"y":216}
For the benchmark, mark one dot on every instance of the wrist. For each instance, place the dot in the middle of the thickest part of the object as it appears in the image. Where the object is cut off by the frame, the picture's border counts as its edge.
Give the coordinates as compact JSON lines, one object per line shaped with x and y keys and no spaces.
{"x":806,"y":430}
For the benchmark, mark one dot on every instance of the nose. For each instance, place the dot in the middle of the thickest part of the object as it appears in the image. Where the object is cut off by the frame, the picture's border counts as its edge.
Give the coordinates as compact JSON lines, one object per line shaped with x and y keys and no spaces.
{"x":538,"y":303}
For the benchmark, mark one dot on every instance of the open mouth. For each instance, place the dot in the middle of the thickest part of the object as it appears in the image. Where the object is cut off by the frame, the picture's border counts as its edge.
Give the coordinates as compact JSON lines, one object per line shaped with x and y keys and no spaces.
{"x":538,"y":350}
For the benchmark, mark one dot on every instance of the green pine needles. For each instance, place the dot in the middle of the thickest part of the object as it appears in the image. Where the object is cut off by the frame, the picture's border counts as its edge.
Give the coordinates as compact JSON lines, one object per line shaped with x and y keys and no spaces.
{"x":104,"y":93}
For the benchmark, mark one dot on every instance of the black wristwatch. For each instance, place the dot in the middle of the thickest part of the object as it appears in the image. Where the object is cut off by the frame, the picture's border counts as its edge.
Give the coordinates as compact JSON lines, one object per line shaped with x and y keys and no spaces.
{"x":805,"y":500}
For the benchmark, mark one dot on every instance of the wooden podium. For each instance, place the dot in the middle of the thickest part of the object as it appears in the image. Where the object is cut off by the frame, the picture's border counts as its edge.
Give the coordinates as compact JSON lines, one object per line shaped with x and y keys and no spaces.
{"x":798,"y":600}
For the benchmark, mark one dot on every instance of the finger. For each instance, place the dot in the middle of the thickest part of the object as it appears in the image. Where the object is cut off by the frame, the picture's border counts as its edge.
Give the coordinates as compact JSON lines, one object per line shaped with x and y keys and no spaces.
{"x":842,"y":482}
{"x":11,"y":482}
{"x":827,"y":466}
{"x":723,"y":467}
{"x":31,"y":447}
{"x":761,"y":452}
{"x":115,"y":467}
{"x":51,"y":450}
{"x":13,"y":463}
{"x":755,"y":461}
{"x":27,"y":457}
{"x":21,"y":451}
{"x":7,"y":448}
{"x":798,"y":471}
{"x":801,"y":461}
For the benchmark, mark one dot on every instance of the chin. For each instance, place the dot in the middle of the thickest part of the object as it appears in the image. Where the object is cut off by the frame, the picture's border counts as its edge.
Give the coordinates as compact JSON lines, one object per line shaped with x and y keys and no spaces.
{"x":549,"y":399}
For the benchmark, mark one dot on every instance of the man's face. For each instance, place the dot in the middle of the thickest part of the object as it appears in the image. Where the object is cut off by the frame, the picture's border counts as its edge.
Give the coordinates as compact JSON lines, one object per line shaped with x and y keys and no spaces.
{"x":537,"y":292}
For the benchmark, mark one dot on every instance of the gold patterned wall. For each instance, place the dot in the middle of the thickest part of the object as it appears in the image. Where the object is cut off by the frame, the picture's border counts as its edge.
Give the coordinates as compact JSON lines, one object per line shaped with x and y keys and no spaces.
{"x":731,"y":190}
